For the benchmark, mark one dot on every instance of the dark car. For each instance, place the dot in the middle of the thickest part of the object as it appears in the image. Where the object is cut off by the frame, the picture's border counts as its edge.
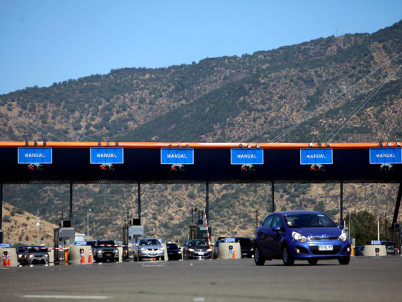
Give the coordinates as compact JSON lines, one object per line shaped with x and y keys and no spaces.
{"x":246,"y":245}
{"x":197,"y":249}
{"x":29,"y":255}
{"x":105,"y":250}
{"x":300,"y":235}
{"x":359,"y":251}
{"x":173,"y":251}
{"x":391,"y":247}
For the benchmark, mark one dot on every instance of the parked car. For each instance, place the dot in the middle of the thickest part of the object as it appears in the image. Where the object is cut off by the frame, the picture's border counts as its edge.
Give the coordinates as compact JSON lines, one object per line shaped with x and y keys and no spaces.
{"x":300,"y":235}
{"x":148,"y":248}
{"x":104,"y":250}
{"x":173,"y":251}
{"x":197,"y":249}
{"x":392,"y":248}
{"x":28,"y":255}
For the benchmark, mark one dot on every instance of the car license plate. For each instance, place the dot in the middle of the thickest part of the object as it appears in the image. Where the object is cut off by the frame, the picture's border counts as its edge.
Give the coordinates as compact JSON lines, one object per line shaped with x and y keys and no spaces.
{"x":325,"y":247}
{"x":200,"y":253}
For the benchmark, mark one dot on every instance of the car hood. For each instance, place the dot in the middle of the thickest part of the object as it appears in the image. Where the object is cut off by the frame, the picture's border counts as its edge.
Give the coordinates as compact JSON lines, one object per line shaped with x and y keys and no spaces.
{"x":202,"y":247}
{"x":150,"y":246}
{"x":319,"y":232}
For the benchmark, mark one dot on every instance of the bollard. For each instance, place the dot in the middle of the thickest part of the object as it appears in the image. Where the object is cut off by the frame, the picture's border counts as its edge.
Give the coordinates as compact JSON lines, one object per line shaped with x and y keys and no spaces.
{"x":65,"y":255}
{"x":352,"y":253}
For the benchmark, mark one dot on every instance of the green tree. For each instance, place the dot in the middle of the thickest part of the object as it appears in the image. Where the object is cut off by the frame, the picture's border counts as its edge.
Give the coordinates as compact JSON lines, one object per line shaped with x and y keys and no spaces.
{"x":363,"y":227}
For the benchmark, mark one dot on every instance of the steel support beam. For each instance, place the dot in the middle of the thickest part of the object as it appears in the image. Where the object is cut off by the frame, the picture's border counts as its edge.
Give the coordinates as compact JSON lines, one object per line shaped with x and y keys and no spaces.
{"x":139,"y":201}
{"x":71,"y":202}
{"x":273,"y":197}
{"x":397,"y":205}
{"x":207,"y":200}
{"x":341,"y":204}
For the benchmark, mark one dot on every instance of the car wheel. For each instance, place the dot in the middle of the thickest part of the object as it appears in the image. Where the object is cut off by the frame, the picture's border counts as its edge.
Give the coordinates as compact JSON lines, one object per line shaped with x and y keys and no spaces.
{"x":344,"y":260}
{"x":312,"y":261}
{"x":258,"y":257}
{"x":286,"y":257}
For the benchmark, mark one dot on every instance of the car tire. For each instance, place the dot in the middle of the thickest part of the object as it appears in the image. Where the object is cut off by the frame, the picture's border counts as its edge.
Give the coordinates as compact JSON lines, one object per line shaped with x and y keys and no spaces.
{"x":312,"y":261}
{"x":344,"y":260}
{"x":286,"y":257}
{"x":258,"y":257}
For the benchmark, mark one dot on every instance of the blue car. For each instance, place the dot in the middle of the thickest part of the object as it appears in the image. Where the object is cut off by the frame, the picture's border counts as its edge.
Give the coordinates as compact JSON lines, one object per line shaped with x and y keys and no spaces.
{"x":300,"y":235}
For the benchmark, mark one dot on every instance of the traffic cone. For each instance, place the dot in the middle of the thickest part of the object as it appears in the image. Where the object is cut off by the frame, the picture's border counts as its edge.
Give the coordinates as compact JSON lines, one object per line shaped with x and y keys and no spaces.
{"x":4,"y":260}
{"x":9,"y":260}
{"x":82,"y":256}
{"x":234,"y":254}
{"x":90,"y":256}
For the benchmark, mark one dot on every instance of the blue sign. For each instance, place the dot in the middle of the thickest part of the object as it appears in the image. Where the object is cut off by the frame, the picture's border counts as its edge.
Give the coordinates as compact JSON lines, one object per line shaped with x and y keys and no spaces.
{"x":247,"y":156}
{"x":230,"y":239}
{"x":385,"y":156}
{"x":107,"y":156}
{"x":312,"y":156}
{"x":35,"y":155}
{"x":376,"y":242}
{"x":5,"y":244}
{"x":80,"y":243}
{"x":177,"y":157}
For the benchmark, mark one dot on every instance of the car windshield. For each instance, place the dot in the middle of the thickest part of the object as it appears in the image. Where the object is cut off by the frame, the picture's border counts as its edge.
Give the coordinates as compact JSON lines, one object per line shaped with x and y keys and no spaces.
{"x":197,"y":243}
{"x":37,"y":250}
{"x":172,"y":246}
{"x":310,"y":220}
{"x":149,"y":242}
{"x":106,"y":242}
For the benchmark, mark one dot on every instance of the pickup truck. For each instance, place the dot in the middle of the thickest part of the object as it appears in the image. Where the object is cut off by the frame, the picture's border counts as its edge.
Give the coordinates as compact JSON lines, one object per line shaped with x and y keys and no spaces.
{"x":104,"y":250}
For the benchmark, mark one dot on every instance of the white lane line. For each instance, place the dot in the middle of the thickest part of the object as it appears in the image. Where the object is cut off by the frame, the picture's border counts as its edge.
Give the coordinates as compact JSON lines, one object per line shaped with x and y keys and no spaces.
{"x":65,"y":297}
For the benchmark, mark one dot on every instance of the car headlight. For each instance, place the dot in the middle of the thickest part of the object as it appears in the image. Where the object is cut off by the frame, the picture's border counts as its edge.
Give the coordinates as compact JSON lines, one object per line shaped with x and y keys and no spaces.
{"x":31,"y":256}
{"x":299,"y":237}
{"x":143,"y":249}
{"x":191,"y":250}
{"x":46,"y":255}
{"x":179,"y":252}
{"x":343,"y":236}
{"x":116,"y":251}
{"x":99,"y":252}
{"x":209,"y":250}
{"x":19,"y":256}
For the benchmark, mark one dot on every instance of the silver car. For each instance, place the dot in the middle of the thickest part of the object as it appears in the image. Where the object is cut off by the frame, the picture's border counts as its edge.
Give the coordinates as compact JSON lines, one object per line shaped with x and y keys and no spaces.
{"x":29,"y":255}
{"x":148,"y":248}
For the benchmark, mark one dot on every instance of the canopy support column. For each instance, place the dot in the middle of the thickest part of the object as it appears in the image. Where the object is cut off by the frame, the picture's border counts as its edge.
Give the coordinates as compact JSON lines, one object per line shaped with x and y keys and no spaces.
{"x":207,"y":200}
{"x":71,"y":202}
{"x":273,"y":197}
{"x":139,"y":201}
{"x":341,"y":204}
{"x":397,"y":205}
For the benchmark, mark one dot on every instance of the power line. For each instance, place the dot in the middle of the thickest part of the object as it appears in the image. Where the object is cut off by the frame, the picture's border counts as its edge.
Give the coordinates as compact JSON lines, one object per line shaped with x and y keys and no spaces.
{"x":315,"y":112}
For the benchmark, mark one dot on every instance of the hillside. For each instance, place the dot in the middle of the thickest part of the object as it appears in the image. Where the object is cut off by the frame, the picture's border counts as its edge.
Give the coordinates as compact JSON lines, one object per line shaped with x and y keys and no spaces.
{"x":338,"y":89}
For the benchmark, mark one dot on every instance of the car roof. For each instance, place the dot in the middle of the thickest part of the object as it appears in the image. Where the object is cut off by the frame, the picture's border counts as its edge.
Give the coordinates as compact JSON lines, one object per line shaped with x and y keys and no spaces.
{"x":298,"y":212}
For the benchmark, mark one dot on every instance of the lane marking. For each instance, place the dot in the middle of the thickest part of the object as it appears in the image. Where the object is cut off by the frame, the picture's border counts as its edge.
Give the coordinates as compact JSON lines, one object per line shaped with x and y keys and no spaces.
{"x":65,"y":297}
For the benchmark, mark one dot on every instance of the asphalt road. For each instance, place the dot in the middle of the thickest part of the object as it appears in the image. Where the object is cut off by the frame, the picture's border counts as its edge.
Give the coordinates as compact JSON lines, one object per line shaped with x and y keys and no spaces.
{"x":364,"y":279}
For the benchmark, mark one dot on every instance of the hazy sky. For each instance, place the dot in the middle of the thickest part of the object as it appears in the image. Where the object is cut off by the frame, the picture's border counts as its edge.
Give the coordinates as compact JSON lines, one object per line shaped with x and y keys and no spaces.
{"x":42,"y":42}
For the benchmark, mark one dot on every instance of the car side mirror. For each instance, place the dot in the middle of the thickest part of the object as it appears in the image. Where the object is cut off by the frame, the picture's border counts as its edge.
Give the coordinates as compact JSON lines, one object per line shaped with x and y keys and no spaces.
{"x":340,"y":226}
{"x":276,"y":229}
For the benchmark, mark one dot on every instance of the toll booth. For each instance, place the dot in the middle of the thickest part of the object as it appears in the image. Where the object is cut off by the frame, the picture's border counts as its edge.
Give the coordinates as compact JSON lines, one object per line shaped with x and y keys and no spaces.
{"x":64,"y":237}
{"x":132,"y":232}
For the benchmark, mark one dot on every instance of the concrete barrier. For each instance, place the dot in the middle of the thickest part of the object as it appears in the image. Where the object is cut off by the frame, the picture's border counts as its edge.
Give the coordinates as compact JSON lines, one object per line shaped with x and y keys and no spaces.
{"x":75,"y":255}
{"x":11,"y":254}
{"x":229,"y":250}
{"x":371,"y":250}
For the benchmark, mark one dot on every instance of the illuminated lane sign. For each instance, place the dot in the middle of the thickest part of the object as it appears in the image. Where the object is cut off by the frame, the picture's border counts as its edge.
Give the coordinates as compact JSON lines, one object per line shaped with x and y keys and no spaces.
{"x":35,"y":155}
{"x":385,"y":156}
{"x":177,"y":157}
{"x":107,"y":156}
{"x":312,"y":156}
{"x":247,"y":156}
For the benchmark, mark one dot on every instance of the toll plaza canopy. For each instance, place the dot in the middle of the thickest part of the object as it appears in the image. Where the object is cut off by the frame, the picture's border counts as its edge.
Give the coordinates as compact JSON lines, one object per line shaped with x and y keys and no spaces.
{"x":141,"y":162}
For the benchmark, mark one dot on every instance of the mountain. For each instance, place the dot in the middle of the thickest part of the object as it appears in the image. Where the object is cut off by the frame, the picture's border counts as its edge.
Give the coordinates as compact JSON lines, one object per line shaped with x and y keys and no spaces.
{"x":337,"y":89}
